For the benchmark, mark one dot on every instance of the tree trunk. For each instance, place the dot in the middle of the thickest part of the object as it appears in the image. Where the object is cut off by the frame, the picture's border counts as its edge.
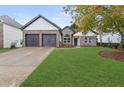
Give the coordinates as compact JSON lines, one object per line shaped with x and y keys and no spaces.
{"x":100,"y":39}
{"x":100,"y":36}
{"x":122,"y":40}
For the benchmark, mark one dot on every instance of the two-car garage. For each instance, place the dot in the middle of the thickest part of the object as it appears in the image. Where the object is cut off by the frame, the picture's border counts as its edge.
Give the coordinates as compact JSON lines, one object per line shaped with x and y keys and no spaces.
{"x":46,"y":40}
{"x":41,"y":32}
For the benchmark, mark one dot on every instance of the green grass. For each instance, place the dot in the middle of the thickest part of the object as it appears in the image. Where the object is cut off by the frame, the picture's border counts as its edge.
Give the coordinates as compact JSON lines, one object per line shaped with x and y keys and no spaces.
{"x":2,"y":50}
{"x":79,"y":67}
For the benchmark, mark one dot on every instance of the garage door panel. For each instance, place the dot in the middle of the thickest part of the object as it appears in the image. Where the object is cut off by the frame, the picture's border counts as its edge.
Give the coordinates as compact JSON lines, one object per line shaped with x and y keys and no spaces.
{"x":49,"y":40}
{"x":32,"y":40}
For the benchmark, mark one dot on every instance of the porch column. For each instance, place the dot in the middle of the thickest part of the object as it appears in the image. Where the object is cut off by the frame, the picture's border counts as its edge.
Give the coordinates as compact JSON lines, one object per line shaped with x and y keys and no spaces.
{"x":78,"y":41}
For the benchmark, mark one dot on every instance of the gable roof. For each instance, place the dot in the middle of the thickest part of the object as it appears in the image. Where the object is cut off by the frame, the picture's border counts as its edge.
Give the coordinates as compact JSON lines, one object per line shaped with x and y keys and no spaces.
{"x":68,"y":28}
{"x":9,"y":21}
{"x":37,"y":17}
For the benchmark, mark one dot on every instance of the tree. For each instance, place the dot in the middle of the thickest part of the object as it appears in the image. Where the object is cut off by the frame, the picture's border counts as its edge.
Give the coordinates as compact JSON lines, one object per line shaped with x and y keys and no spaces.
{"x":85,"y":17}
{"x":114,"y":20}
{"x":100,"y":18}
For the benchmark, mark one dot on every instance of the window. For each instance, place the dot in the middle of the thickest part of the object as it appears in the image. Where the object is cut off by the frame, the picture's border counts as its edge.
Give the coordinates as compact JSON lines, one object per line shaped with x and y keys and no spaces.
{"x":85,"y":39}
{"x":67,"y":39}
{"x":90,"y":39}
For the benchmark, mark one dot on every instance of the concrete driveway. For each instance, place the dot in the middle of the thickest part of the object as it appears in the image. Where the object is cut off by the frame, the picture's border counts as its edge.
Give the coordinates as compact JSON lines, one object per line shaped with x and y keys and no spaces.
{"x":17,"y":64}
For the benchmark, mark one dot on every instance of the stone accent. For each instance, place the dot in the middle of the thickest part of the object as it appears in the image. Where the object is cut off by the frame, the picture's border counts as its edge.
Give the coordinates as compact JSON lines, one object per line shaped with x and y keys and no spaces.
{"x":1,"y":35}
{"x":70,"y":33}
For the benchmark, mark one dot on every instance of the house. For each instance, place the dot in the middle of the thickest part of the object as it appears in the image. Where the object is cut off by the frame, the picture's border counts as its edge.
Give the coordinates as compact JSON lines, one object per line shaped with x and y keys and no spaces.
{"x":10,"y":32}
{"x":81,"y":39}
{"x":67,"y":35}
{"x":72,"y":37}
{"x":110,"y":38}
{"x":42,"y":32}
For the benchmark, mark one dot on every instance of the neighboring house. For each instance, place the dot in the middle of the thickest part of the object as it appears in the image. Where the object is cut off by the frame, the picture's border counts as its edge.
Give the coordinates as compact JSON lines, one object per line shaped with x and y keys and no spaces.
{"x":110,"y":38}
{"x":42,"y":32}
{"x":10,"y":32}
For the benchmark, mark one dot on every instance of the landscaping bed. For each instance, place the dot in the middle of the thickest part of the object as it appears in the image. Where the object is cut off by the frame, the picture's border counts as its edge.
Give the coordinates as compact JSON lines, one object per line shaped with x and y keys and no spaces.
{"x":117,"y":55}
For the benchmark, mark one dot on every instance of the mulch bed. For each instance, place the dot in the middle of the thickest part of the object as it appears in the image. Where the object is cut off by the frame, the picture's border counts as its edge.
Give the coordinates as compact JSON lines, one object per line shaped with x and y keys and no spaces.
{"x":117,"y":55}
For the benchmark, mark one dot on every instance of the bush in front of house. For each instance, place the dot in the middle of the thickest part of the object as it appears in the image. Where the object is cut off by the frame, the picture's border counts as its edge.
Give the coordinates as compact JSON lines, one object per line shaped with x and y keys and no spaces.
{"x":65,"y":45}
{"x":13,"y":45}
{"x":122,"y":44}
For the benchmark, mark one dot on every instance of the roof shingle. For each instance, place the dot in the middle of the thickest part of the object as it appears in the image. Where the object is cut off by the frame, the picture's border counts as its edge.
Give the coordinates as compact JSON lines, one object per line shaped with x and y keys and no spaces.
{"x":8,"y":20}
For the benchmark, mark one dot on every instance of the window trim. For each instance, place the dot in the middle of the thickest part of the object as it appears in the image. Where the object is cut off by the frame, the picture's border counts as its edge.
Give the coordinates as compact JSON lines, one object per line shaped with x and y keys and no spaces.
{"x":88,"y":40}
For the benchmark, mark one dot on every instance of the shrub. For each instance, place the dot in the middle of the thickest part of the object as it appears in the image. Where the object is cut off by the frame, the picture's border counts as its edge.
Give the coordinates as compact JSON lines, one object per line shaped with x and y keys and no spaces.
{"x":13,"y":44}
{"x":111,"y":45}
{"x":122,"y":44}
{"x":65,"y":45}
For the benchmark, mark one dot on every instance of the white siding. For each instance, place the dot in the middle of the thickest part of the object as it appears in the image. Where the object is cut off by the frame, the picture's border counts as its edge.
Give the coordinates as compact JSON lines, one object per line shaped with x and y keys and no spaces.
{"x":11,"y":34}
{"x":109,"y":37}
{"x":41,"y":24}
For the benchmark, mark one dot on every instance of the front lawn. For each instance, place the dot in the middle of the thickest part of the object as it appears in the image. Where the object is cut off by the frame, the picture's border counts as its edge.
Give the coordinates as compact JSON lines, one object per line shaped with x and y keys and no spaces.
{"x":4,"y":50}
{"x":79,"y":67}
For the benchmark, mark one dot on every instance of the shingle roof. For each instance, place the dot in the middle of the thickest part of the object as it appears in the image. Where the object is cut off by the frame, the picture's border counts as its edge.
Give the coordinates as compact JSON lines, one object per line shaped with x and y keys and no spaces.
{"x":8,"y":20}
{"x":37,"y":17}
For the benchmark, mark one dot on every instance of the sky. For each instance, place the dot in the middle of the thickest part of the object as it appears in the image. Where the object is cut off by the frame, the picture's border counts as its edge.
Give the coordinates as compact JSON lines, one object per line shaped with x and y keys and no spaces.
{"x":23,"y":14}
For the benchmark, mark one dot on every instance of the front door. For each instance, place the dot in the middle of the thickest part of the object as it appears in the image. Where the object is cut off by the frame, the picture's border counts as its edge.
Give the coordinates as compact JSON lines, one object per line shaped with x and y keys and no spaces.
{"x":75,"y":41}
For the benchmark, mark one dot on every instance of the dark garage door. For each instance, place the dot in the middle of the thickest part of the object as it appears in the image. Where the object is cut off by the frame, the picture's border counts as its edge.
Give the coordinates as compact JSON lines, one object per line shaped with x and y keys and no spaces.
{"x":32,"y":40}
{"x":49,"y":40}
